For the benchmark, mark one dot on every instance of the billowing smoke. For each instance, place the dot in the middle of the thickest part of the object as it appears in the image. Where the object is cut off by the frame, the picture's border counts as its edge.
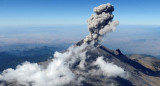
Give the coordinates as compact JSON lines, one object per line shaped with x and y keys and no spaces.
{"x":60,"y":71}
{"x":100,"y":23}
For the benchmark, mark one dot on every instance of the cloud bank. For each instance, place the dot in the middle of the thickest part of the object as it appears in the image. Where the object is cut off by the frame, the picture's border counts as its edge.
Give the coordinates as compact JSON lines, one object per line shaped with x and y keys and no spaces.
{"x":57,"y":73}
{"x":110,"y":69}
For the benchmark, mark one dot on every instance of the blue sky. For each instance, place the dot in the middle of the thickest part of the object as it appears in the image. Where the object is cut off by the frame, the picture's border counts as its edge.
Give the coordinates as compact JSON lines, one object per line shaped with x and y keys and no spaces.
{"x":63,"y":12}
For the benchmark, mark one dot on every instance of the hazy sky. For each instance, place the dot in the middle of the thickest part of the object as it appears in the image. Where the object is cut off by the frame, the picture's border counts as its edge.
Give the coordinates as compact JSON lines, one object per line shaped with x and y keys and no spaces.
{"x":53,"y":12}
{"x":128,"y":38}
{"x":50,"y":21}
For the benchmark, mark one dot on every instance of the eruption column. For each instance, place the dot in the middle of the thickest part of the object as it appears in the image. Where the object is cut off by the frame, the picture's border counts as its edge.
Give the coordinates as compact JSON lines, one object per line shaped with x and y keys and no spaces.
{"x":100,"y":23}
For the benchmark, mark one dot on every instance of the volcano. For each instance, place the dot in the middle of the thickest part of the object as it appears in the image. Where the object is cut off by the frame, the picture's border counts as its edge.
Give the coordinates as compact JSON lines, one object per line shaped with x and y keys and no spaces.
{"x":88,"y":63}
{"x":142,"y":70}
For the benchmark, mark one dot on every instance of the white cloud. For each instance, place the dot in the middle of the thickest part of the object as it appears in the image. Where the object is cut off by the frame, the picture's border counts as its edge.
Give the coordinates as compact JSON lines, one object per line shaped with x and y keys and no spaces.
{"x":109,"y":69}
{"x":57,"y":73}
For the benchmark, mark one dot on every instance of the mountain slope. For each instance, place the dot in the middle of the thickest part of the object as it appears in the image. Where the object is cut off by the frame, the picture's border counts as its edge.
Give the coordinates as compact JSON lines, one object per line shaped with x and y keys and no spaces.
{"x":139,"y":74}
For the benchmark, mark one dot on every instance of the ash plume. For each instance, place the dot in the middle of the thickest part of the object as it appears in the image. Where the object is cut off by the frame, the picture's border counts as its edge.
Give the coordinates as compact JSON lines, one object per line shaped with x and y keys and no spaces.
{"x":100,"y":23}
